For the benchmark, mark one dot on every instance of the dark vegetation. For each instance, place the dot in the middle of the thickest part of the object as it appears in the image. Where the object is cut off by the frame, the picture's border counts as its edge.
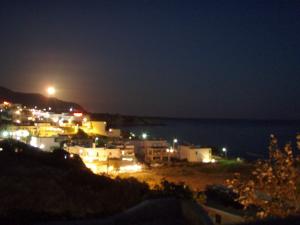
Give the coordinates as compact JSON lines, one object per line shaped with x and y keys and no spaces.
{"x":276,"y":221}
{"x":36,"y":186}
{"x":220,"y":195}
{"x":39,"y":186}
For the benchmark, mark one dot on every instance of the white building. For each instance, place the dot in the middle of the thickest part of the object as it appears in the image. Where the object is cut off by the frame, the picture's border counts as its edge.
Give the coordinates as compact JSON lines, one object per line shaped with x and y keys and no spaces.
{"x":94,"y":127}
{"x":152,"y":150}
{"x":45,"y":143}
{"x":195,"y":154}
{"x":95,"y":154}
{"x":127,"y":152}
{"x":105,"y":160}
{"x":114,"y":133}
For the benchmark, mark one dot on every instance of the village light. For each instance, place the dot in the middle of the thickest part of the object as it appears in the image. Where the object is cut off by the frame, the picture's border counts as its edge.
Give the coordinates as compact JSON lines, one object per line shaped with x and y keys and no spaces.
{"x":225,"y":151}
{"x":5,"y":134}
{"x":144,"y":136}
{"x":175,"y":140}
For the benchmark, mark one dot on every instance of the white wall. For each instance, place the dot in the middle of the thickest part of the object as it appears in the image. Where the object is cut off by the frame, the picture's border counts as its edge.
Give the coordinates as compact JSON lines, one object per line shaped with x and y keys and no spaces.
{"x":91,"y":154}
{"x":192,"y":154}
{"x":44,"y":143}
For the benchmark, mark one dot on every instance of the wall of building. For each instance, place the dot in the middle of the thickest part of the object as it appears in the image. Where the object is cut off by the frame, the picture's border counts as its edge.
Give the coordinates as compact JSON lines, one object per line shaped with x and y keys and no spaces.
{"x":220,"y":217}
{"x":99,"y":127}
{"x":94,"y":127}
{"x":114,"y":133}
{"x":151,"y":150}
{"x":193,"y":154}
{"x":45,"y":143}
{"x":92,"y":154}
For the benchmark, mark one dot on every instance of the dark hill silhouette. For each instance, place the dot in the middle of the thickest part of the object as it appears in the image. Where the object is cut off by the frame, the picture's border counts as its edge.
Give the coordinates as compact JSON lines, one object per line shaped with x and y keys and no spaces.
{"x":41,"y":186}
{"x":34,"y":99}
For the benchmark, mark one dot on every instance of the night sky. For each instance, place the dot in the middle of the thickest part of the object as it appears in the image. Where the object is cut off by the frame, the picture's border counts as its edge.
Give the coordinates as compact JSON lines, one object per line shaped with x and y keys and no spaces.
{"x":213,"y":59}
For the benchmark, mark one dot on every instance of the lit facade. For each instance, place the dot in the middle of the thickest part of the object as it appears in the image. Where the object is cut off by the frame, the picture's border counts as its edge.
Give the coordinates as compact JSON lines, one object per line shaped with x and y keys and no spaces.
{"x":195,"y":154}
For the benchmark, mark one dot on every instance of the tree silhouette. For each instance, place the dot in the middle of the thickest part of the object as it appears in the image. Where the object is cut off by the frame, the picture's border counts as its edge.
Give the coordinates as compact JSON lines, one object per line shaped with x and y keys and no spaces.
{"x":272,"y":187}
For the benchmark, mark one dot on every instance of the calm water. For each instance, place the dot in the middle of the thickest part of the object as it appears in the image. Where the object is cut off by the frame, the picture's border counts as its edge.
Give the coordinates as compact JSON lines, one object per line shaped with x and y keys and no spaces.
{"x":247,"y":139}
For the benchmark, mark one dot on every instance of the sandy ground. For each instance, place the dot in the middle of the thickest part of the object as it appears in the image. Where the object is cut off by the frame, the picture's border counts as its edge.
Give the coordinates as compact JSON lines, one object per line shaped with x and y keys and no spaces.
{"x":196,"y":177}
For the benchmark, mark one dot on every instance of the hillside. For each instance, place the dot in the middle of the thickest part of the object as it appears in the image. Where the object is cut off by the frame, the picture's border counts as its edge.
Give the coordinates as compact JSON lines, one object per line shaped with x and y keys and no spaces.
{"x":33,"y":99}
{"x":39,"y":186}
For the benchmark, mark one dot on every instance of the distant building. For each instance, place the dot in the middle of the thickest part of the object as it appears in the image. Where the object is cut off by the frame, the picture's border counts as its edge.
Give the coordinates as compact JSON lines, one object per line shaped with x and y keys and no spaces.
{"x":94,"y":127}
{"x":37,"y":129}
{"x":47,"y":130}
{"x":45,"y":143}
{"x":114,"y":133}
{"x":104,"y":160}
{"x":94,"y":153}
{"x":195,"y":154}
{"x":152,"y":150}
{"x":127,"y":152}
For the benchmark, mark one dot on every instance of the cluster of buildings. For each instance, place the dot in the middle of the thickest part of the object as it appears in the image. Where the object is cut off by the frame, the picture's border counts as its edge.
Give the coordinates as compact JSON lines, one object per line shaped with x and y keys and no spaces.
{"x":101,"y":148}
{"x":159,"y":151}
{"x":45,"y":127}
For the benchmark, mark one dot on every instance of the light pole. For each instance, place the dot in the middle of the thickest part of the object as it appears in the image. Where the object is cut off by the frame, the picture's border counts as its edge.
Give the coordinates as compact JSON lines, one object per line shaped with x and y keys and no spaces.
{"x":168,"y":153}
{"x":225,"y":151}
{"x":175,"y":140}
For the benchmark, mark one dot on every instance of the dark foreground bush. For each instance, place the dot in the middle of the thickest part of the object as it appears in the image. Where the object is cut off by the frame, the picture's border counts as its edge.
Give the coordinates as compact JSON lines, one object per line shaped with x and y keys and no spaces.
{"x":36,"y":185}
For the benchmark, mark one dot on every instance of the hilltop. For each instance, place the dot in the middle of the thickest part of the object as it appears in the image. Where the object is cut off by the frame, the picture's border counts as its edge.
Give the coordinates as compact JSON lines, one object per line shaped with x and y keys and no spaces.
{"x":34,"y":99}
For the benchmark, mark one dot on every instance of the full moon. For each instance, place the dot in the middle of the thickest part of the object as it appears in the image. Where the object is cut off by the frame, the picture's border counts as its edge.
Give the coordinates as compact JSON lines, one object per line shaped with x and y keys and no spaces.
{"x":51,"y":90}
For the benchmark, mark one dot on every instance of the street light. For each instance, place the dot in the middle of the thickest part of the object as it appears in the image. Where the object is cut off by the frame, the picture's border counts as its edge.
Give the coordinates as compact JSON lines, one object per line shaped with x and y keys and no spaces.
{"x":175,"y":140}
{"x":225,"y":151}
{"x":144,"y":136}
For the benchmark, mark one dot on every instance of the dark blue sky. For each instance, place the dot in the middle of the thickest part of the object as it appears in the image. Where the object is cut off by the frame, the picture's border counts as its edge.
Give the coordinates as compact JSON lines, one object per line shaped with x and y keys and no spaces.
{"x":228,"y":59}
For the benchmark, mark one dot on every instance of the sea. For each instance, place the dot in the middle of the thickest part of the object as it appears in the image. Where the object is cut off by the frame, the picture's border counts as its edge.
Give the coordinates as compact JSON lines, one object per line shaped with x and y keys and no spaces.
{"x":246,"y":139}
